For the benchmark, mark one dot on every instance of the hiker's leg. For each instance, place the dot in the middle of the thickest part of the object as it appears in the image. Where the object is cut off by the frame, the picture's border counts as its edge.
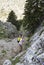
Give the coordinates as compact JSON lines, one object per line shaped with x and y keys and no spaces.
{"x":20,"y":47}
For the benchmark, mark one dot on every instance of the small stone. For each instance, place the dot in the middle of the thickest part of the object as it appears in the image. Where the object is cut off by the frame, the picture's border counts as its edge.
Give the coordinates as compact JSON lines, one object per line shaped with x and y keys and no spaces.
{"x":7,"y":62}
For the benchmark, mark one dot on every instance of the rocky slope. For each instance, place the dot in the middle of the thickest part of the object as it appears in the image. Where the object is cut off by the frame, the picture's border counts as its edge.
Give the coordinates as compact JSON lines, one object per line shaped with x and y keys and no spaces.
{"x":35,"y":53}
{"x":8,"y":49}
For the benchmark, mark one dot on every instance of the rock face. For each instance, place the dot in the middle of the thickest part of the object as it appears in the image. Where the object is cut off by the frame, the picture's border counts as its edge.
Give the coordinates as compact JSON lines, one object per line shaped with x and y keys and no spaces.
{"x":8,"y":49}
{"x":35,"y":54}
{"x":8,"y":29}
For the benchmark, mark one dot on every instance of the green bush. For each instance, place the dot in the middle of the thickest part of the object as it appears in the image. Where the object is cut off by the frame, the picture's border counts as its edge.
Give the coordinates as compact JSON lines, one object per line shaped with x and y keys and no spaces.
{"x":2,"y":33}
{"x":4,"y":51}
{"x":16,"y":60}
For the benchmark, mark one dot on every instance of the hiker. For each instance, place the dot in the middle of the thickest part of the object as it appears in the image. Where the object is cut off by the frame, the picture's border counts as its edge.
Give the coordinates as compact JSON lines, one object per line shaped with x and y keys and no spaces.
{"x":21,"y":40}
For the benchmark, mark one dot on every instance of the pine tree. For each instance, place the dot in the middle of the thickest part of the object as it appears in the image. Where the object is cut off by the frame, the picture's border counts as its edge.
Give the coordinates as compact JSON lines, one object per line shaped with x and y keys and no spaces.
{"x":12,"y":18}
{"x":32,"y":14}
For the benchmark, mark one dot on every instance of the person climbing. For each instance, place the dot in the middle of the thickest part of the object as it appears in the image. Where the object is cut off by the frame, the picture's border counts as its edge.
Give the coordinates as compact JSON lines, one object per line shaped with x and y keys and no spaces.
{"x":21,"y":40}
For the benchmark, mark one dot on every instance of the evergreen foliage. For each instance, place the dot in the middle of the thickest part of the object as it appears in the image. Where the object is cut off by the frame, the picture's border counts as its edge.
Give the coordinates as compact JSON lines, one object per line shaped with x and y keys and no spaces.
{"x":33,"y":13}
{"x":19,"y":24}
{"x":12,"y":18}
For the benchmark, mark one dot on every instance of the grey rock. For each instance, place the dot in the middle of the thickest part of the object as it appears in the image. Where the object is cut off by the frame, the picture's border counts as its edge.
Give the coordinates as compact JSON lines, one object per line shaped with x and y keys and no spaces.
{"x":19,"y":63}
{"x":8,"y":29}
{"x":7,"y":62}
{"x":8,"y":49}
{"x":35,"y":53}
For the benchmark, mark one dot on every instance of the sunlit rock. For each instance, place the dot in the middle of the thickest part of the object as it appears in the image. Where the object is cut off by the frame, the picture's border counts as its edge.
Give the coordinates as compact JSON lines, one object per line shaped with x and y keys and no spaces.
{"x":35,"y":53}
{"x":7,"y":62}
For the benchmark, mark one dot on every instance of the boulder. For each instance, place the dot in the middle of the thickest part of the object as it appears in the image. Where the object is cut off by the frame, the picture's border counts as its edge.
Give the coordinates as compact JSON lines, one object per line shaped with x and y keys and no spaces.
{"x":8,"y":30}
{"x":11,"y":30}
